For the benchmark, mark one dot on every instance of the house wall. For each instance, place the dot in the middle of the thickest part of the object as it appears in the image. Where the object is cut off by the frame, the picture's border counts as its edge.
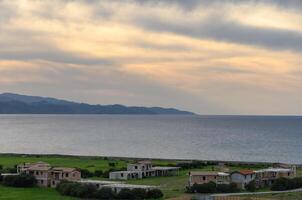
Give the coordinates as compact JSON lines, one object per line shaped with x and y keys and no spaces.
{"x":242,"y":180}
{"x":201,"y":179}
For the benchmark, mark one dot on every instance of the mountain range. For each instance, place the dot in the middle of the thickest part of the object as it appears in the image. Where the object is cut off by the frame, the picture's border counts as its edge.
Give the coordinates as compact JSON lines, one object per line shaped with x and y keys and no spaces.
{"x":11,"y":103}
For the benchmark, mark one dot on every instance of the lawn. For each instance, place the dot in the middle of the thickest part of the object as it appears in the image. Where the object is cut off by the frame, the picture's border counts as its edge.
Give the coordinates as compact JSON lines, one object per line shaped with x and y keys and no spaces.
{"x":10,"y":193}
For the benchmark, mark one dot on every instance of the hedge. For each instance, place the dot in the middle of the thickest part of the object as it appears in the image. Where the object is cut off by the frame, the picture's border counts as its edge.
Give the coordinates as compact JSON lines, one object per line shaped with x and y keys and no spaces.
{"x":23,"y":180}
{"x":287,"y":184}
{"x":89,"y":191}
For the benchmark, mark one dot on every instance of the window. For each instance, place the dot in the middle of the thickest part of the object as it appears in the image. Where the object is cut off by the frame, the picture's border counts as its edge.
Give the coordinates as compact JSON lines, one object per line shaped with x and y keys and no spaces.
{"x":41,"y":181}
{"x":37,"y":173}
{"x":135,"y":167}
{"x":66,"y":175}
{"x":204,"y":178}
{"x":122,"y":175}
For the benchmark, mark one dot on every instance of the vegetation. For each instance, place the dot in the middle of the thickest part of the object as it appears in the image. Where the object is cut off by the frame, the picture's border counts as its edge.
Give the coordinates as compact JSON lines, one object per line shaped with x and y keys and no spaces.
{"x":211,"y":187}
{"x":90,"y":191}
{"x":22,"y":180}
{"x":282,"y":184}
{"x":35,"y":193}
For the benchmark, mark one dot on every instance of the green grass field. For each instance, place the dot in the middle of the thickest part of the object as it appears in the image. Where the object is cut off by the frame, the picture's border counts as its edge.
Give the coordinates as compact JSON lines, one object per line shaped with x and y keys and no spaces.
{"x":10,"y":193}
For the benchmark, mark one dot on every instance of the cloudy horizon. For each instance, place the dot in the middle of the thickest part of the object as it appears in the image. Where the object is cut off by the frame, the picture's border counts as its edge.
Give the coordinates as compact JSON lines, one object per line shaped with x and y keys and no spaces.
{"x":208,"y":57}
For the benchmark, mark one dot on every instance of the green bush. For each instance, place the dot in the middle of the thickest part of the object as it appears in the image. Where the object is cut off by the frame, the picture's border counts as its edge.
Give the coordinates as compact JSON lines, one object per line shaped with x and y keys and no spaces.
{"x":105,"y":193}
{"x":23,"y":180}
{"x":76,"y":189}
{"x":154,"y":194}
{"x":139,"y":193}
{"x":125,"y":194}
{"x":85,"y":173}
{"x":212,"y":187}
{"x":98,"y":173}
{"x":287,"y":184}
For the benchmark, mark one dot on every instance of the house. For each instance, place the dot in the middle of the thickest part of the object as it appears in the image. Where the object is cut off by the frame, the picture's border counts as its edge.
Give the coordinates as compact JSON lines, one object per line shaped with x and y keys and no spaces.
{"x":143,"y":169}
{"x":242,"y":177}
{"x":62,"y":173}
{"x":48,"y":176}
{"x":267,"y":177}
{"x":206,"y":177}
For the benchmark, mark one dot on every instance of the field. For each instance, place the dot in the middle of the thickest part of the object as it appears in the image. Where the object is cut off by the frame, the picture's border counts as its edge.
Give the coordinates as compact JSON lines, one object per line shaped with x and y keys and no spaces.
{"x":9,"y":193}
{"x":171,"y":186}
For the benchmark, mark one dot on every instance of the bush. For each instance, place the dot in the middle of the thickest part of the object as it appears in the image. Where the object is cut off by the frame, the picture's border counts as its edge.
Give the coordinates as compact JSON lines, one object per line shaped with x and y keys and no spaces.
{"x":23,"y":180}
{"x":85,"y":173}
{"x":125,"y":194}
{"x":111,"y":164}
{"x":76,"y":189}
{"x":154,"y":194}
{"x":204,"y":188}
{"x":251,"y":186}
{"x":98,"y":173}
{"x":139,"y":193}
{"x":287,"y":184}
{"x":105,"y":193}
{"x":212,"y":187}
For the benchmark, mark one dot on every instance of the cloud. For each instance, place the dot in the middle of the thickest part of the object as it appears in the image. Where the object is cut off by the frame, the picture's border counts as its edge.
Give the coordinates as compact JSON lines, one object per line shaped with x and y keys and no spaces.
{"x":211,"y":57}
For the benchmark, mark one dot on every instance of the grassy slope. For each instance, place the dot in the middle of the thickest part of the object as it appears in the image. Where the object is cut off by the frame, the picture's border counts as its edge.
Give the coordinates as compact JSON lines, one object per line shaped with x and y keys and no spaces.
{"x":9,"y":193}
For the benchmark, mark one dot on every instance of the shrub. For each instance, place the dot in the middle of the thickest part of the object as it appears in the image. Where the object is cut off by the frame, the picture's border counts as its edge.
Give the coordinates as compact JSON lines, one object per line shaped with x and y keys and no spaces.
{"x":154,"y":194}
{"x":85,"y":173}
{"x":23,"y":180}
{"x":125,"y":194}
{"x":212,"y":187}
{"x":139,"y":193}
{"x":76,"y":189}
{"x":111,"y":164}
{"x":204,"y":188}
{"x":105,"y":193}
{"x":98,"y":173}
{"x":251,"y":186}
{"x":287,"y":184}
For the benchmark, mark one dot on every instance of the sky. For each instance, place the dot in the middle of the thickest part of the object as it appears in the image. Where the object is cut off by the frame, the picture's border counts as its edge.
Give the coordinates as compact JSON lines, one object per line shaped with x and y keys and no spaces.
{"x":225,"y":57}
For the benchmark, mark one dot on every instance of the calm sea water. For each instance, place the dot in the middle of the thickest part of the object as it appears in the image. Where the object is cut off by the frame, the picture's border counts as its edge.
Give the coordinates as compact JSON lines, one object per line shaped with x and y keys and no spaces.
{"x":240,"y":138}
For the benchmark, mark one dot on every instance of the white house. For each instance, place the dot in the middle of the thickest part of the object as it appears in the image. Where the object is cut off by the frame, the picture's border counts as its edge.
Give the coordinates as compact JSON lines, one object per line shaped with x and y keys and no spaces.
{"x":141,"y":170}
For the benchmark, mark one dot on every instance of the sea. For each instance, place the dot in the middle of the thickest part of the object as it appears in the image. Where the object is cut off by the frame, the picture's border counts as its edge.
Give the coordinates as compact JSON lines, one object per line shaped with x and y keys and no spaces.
{"x":225,"y":138}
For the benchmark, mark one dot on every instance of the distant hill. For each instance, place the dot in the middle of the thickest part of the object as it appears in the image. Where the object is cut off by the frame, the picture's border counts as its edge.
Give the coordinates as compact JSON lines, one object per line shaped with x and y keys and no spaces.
{"x":22,"y":104}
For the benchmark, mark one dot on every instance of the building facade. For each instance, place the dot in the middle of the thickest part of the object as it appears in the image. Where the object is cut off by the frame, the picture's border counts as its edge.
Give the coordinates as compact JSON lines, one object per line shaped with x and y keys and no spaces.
{"x":207,"y":177}
{"x":143,"y":169}
{"x":48,"y":176}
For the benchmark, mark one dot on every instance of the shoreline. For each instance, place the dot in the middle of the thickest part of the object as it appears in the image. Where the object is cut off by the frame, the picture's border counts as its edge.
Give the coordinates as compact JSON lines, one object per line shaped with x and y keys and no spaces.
{"x":146,"y":158}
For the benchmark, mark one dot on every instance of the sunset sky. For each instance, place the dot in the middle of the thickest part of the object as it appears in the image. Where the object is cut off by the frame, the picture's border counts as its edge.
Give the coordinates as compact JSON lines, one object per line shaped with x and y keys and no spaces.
{"x":205,"y":56}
